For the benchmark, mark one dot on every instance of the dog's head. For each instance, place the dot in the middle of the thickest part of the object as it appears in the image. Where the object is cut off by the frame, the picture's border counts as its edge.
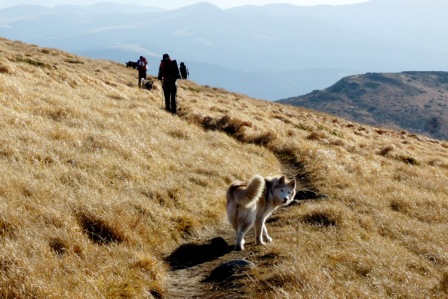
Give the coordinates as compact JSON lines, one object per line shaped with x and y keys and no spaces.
{"x":284,"y":191}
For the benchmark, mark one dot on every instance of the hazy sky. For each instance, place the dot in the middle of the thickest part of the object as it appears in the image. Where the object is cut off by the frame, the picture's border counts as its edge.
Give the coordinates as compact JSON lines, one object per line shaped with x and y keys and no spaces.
{"x":178,"y":3}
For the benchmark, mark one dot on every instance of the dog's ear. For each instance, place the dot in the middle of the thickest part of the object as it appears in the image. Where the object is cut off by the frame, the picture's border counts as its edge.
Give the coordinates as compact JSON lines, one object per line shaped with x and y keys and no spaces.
{"x":282,"y":180}
{"x":292,"y":183}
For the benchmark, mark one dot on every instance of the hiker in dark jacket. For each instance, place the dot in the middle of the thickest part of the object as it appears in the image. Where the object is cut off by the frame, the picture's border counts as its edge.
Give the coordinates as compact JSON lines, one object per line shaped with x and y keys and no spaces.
{"x":184,"y":73}
{"x":142,"y":67}
{"x":168,"y":74}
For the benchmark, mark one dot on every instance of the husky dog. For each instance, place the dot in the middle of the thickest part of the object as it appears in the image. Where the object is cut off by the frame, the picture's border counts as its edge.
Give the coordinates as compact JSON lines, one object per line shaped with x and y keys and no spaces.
{"x":251,"y":203}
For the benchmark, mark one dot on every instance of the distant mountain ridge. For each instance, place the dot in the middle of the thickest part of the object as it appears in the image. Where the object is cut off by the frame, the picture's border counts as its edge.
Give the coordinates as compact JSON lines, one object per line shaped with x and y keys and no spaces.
{"x":268,"y":52}
{"x":411,"y":101}
{"x":98,"y":8}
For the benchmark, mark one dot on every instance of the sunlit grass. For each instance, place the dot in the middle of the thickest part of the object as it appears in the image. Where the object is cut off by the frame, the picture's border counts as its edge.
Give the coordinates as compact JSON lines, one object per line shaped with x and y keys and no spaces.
{"x":98,"y":184}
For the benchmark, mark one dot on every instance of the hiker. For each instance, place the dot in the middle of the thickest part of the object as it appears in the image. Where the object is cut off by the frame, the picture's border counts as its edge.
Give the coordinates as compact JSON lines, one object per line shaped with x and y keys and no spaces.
{"x":142,"y":67}
{"x":184,"y":71}
{"x":168,"y":74}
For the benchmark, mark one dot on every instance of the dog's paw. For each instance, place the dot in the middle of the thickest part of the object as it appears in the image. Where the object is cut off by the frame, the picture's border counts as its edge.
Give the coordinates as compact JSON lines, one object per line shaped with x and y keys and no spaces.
{"x":268,"y":239}
{"x":260,"y":242}
{"x":239,"y":247}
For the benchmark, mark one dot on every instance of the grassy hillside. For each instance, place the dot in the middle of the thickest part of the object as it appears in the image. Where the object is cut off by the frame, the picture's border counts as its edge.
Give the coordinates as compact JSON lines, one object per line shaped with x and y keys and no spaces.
{"x":411,"y":101}
{"x":98,"y":185}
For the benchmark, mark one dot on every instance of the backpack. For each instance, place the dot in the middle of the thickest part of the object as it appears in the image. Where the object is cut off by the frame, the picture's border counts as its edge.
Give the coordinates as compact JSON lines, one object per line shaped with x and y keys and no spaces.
{"x":141,"y":64}
{"x":170,"y":70}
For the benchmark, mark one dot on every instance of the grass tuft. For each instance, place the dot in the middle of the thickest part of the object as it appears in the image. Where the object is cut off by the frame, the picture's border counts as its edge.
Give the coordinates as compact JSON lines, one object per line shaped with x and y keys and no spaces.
{"x":386,"y":150}
{"x":98,"y":230}
{"x":4,"y":69}
{"x":186,"y":226}
{"x":321,"y":219}
{"x":58,"y":246}
{"x":444,"y":284}
{"x":225,"y":124}
{"x":33,"y":62}
{"x":409,"y":160}
{"x":262,"y":139}
{"x":6,"y":229}
{"x":316,"y":135}
{"x":74,"y":61}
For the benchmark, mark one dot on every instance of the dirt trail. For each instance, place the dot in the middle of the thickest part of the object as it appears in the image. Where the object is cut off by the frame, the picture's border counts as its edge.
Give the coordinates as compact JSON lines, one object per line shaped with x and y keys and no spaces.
{"x":192,"y":263}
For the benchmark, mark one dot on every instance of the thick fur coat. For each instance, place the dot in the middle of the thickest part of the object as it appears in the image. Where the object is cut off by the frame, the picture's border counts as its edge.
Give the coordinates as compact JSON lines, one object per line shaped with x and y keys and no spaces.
{"x":249,"y":204}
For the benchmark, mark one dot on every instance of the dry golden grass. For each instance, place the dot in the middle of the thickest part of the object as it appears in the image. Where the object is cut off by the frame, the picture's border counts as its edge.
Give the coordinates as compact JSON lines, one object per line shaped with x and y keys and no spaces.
{"x":98,"y":184}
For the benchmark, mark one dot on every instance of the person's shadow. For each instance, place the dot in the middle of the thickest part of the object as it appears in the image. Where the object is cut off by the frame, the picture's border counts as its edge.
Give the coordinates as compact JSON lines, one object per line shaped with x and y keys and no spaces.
{"x":190,"y":255}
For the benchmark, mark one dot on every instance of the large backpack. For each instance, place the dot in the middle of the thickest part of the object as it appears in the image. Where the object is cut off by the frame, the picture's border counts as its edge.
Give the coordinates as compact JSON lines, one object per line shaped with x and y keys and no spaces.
{"x":141,"y":66}
{"x":170,"y":70}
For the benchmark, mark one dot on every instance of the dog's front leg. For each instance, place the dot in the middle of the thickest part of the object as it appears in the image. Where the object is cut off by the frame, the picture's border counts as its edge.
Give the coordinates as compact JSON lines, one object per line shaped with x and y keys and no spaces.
{"x":265,"y":234}
{"x":240,"y":241}
{"x":259,"y":231}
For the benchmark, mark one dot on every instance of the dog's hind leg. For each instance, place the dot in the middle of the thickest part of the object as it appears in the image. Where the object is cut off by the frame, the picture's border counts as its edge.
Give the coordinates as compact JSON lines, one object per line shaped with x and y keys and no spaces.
{"x":240,"y":233}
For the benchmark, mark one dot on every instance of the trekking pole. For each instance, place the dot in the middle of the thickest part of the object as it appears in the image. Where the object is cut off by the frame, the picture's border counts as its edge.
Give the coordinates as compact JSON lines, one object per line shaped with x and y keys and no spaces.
{"x":161,"y":89}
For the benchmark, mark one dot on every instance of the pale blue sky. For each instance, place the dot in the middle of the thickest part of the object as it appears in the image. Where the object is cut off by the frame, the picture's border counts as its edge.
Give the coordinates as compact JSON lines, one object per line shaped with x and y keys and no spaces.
{"x":179,"y":3}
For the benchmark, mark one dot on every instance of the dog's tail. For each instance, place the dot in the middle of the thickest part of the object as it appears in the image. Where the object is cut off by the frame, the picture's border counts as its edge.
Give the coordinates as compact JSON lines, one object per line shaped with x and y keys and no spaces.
{"x":246,"y":194}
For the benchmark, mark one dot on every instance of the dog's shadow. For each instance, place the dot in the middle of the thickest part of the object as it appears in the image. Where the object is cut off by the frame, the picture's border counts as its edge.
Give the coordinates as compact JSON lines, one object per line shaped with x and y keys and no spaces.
{"x":190,"y":255}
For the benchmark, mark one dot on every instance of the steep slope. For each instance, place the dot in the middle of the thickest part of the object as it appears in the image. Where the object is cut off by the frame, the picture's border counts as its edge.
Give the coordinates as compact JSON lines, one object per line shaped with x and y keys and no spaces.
{"x":411,"y":101}
{"x":99,"y":187}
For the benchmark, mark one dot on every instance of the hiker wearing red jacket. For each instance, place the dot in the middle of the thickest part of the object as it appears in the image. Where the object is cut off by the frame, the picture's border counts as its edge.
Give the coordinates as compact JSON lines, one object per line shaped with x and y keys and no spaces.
{"x":142,"y":67}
